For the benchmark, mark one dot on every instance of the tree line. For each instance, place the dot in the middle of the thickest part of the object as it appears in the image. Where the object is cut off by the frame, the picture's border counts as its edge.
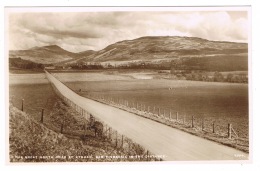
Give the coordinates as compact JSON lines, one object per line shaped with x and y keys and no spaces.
{"x":205,"y":76}
{"x":24,"y":64}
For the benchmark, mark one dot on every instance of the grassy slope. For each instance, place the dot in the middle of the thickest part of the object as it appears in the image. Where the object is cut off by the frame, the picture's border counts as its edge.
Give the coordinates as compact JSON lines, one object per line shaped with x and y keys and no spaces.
{"x":149,"y":48}
{"x":226,"y":56}
{"x":28,"y":137}
{"x":44,"y":55}
{"x":216,"y":63}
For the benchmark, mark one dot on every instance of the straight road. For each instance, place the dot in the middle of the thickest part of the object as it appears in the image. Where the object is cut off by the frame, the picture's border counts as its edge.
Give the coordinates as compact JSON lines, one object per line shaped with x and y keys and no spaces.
{"x":159,"y":139}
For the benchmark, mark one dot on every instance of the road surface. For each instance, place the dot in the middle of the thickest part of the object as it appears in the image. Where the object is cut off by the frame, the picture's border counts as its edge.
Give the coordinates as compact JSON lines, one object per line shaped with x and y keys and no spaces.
{"x":159,"y":139}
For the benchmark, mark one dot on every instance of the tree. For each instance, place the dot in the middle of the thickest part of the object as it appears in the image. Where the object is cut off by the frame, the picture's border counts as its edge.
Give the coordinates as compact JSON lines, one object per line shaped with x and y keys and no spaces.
{"x":229,"y":77}
{"x":218,"y":77}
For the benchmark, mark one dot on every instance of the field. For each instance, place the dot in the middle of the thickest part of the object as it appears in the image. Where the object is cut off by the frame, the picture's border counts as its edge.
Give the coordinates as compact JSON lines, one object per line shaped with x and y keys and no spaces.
{"x":220,"y":102}
{"x":29,"y":137}
{"x":36,"y":97}
{"x":32,"y":141}
{"x":29,"y":78}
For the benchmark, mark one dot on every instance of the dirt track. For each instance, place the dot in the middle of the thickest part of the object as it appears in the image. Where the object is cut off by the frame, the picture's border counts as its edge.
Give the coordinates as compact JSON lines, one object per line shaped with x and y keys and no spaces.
{"x":157,"y":138}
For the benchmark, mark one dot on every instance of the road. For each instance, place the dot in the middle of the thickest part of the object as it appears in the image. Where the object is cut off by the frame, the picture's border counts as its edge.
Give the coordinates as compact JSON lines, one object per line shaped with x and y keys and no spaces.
{"x":159,"y":139}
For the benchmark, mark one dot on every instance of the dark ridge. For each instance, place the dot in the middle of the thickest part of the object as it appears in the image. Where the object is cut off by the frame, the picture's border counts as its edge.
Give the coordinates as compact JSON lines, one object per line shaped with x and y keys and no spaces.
{"x":86,"y":52}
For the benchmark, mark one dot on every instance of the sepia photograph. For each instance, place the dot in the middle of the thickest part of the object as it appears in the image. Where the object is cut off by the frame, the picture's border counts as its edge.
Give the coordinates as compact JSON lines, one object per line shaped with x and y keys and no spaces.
{"x":136,"y":84}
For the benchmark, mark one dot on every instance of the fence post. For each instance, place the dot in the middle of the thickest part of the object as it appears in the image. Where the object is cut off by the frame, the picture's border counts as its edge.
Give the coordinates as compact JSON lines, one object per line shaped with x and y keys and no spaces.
{"x":129,"y":147}
{"x":104,"y":131}
{"x":202,"y":124}
{"x":147,"y":154}
{"x":159,"y":111}
{"x":85,"y":130}
{"x":42,"y":115}
{"x":116,"y":139}
{"x":22,"y":104}
{"x":122,"y":141}
{"x":164,"y":113}
{"x":109,"y":133}
{"x":229,"y":130}
{"x":192,"y":122}
{"x":177,"y":116}
{"x":170,"y":116}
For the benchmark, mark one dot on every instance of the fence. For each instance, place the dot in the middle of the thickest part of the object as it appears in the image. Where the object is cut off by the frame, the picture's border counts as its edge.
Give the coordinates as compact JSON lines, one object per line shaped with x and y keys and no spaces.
{"x":192,"y":124}
{"x":119,"y":141}
{"x":169,"y":117}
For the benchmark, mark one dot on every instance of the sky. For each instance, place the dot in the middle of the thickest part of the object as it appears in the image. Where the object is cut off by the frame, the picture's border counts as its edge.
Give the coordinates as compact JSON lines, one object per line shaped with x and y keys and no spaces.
{"x":81,"y":31}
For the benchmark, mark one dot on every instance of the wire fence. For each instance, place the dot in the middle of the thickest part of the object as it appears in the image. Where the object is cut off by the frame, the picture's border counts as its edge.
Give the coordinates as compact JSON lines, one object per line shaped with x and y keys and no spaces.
{"x":133,"y":150}
{"x":120,"y":142}
{"x":192,"y":124}
{"x":189,"y":123}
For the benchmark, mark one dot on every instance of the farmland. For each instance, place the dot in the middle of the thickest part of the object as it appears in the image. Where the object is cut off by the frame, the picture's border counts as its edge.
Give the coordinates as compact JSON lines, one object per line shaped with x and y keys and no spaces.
{"x":36,"y":97}
{"x":29,"y":137}
{"x":220,"y":102}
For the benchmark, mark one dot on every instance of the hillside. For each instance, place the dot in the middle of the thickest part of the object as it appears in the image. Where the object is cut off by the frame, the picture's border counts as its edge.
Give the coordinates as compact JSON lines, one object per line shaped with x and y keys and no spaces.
{"x":44,"y":55}
{"x":80,"y":57}
{"x":190,"y":53}
{"x":28,"y":138}
{"x":158,"y":48}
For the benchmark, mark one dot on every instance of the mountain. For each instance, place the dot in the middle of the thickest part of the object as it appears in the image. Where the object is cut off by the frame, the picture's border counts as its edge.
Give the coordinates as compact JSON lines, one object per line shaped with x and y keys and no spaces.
{"x":86,"y":53}
{"x":165,"y":51}
{"x":158,"y":48}
{"x":81,"y":56}
{"x":44,"y":55}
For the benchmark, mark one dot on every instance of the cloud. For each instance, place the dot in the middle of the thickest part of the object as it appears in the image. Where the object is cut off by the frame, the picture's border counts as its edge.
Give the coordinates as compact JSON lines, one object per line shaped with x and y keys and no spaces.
{"x":96,"y":30}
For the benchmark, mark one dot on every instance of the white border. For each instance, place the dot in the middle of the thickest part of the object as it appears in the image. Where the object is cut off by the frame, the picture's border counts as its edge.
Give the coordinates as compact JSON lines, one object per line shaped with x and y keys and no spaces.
{"x":255,"y":165}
